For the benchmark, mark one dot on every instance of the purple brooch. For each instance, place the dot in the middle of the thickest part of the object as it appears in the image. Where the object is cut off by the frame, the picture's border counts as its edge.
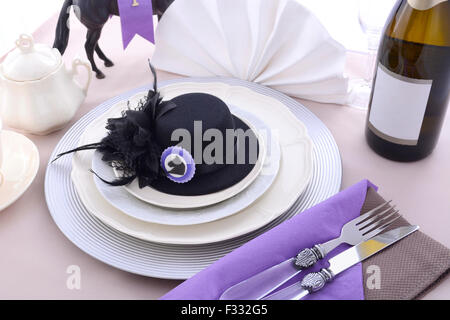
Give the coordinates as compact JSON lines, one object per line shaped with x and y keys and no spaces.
{"x":178,"y":164}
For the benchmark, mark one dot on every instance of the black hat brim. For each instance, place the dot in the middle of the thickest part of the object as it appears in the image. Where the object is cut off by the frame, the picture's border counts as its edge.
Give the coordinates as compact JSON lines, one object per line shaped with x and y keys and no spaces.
{"x":212,"y":182}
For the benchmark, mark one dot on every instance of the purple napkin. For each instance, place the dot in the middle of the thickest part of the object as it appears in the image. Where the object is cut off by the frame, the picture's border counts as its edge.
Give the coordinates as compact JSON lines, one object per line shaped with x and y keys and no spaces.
{"x":315,"y":225}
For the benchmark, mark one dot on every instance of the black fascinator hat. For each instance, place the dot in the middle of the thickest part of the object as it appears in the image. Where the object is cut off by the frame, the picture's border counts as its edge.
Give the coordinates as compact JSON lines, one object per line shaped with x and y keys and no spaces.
{"x":190,"y":145}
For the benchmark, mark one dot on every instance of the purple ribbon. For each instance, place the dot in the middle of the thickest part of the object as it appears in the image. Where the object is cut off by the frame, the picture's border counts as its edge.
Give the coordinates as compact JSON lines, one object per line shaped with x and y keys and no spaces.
{"x":136,"y":17}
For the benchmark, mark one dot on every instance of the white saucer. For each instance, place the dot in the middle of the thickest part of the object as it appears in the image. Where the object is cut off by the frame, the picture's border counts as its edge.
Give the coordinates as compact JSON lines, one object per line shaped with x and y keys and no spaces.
{"x":121,"y":199}
{"x":19,"y":168}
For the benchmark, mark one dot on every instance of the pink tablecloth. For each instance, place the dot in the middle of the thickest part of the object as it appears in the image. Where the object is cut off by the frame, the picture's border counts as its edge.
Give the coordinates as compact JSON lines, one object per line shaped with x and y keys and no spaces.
{"x":35,"y":256}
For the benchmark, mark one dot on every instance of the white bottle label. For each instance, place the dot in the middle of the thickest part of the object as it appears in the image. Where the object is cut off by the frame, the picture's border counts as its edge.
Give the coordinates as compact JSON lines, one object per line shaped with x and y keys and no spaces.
{"x":398,"y":107}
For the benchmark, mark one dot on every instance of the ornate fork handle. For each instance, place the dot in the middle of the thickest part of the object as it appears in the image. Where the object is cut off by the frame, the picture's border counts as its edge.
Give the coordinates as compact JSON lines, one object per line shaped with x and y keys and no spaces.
{"x":308,"y":257}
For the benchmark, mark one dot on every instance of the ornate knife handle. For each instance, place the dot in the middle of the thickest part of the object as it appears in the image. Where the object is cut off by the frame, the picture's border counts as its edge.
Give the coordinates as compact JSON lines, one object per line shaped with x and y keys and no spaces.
{"x":315,"y":281}
{"x":308,"y":257}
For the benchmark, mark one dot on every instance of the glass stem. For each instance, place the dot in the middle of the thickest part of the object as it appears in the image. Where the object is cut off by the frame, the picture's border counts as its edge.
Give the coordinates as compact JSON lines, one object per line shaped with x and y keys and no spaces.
{"x":373,"y":41}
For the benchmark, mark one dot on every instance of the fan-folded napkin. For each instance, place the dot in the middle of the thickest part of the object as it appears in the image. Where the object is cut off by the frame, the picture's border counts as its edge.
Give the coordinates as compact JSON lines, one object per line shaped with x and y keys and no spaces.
{"x":276,"y":43}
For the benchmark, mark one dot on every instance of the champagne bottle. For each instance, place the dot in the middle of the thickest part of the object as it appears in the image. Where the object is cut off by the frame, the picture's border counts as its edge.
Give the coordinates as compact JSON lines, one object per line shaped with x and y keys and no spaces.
{"x":411,"y":86}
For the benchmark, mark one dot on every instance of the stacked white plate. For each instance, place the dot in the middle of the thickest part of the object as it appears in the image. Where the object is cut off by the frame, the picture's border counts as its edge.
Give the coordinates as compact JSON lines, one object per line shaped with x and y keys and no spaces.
{"x":141,"y":232}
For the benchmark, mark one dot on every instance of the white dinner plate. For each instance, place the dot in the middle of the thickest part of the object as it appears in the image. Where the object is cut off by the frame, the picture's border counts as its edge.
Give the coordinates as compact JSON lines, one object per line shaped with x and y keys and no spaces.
{"x":152,"y":259}
{"x":128,"y":204}
{"x":295,"y":172}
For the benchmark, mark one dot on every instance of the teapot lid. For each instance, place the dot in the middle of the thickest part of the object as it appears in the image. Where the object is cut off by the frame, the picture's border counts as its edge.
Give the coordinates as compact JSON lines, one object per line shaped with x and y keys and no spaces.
{"x":30,"y":61}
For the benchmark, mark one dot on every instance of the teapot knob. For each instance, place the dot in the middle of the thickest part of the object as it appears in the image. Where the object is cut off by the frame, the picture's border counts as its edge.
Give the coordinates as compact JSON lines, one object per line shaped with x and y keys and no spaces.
{"x":25,"y":43}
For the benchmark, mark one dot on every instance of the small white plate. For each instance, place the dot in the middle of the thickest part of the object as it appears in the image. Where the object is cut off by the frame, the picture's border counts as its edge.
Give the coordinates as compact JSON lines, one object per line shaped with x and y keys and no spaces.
{"x":128,"y":204}
{"x":161,"y":199}
{"x":19,"y":168}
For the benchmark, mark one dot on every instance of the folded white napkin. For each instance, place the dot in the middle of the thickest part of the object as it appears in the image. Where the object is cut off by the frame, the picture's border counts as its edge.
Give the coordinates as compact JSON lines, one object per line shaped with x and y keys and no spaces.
{"x":277,"y":43}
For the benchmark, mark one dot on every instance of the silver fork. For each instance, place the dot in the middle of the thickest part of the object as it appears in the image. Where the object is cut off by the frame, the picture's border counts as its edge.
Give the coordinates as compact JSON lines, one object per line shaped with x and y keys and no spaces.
{"x":362,"y":228}
{"x":358,"y":230}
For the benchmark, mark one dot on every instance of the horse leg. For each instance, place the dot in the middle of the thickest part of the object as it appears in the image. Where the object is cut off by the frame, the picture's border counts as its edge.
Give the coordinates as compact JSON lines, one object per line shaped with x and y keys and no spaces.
{"x":101,"y":55}
{"x":92,"y":37}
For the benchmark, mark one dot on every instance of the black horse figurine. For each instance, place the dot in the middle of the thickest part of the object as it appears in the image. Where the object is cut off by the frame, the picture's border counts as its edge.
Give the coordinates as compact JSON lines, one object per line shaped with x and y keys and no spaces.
{"x":94,"y":14}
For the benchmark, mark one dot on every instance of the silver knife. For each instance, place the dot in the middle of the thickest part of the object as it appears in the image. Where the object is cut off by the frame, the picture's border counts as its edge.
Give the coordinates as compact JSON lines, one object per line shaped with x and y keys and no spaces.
{"x":315,"y":281}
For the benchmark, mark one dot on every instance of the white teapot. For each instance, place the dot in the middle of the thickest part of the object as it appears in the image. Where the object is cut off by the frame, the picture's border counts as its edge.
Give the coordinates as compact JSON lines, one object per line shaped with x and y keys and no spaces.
{"x":38,"y":94}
